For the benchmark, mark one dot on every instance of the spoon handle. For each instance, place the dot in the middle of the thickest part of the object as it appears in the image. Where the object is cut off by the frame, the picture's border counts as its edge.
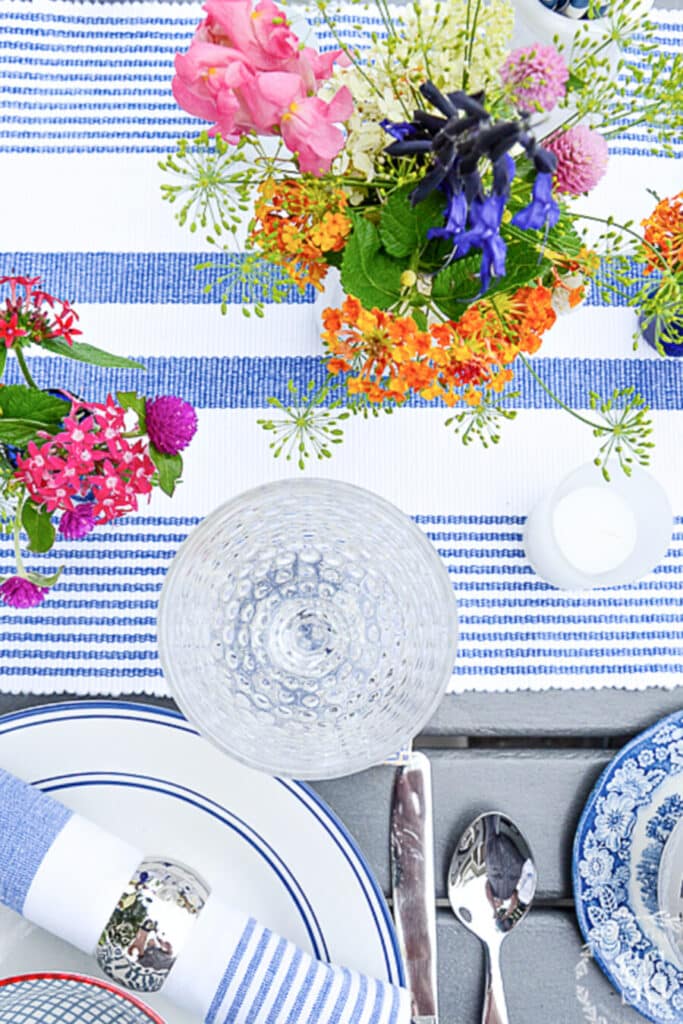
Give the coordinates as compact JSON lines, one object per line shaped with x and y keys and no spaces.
{"x":495,"y":1009}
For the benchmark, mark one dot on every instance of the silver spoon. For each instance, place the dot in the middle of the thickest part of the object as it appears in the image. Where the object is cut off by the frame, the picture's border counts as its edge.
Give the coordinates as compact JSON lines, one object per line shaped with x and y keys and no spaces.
{"x":491,"y":884}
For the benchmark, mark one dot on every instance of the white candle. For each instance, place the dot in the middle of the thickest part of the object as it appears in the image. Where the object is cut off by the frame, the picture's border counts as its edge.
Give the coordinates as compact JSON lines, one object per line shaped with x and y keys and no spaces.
{"x":595,"y":529}
{"x":589,"y":533}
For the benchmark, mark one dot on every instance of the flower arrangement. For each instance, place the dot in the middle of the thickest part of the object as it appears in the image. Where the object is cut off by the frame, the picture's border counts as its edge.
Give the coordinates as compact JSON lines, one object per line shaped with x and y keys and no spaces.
{"x":422,"y":169}
{"x":658,"y":296}
{"x":67,"y":465}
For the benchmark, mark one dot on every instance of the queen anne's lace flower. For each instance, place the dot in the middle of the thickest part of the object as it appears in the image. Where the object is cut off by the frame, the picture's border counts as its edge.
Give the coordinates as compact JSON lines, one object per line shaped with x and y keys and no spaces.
{"x":432,"y":46}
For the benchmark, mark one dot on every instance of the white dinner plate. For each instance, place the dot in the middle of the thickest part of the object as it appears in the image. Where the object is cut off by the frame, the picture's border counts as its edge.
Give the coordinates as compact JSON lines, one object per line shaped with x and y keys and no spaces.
{"x":270,"y":845}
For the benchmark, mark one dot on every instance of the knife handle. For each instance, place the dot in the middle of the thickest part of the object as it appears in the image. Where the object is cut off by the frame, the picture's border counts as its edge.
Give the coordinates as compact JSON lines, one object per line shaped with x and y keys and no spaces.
{"x":412,"y":860}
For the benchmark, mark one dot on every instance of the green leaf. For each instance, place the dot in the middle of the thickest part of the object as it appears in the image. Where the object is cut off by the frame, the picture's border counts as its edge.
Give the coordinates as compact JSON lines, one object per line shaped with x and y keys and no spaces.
{"x":403,"y":227}
{"x":169,"y":466}
{"x":25,"y":411}
{"x":44,"y":581}
{"x":83,"y":353}
{"x":38,"y":526}
{"x":19,"y":432}
{"x":17,"y":401}
{"x":456,"y":285}
{"x":3,"y":359}
{"x":138,"y":403}
{"x":367,"y":272}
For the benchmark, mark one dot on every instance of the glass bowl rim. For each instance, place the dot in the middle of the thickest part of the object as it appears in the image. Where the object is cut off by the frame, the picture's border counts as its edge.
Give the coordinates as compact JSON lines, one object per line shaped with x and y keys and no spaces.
{"x":194,"y":539}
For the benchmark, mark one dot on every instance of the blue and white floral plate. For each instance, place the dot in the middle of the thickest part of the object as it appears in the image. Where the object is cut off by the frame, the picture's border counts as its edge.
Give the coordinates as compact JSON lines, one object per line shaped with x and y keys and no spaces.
{"x":632,"y":811}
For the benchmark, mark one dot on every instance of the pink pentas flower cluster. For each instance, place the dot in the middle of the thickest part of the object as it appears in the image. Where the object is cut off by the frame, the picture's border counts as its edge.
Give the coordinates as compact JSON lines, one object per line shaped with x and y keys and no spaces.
{"x":247,"y":71}
{"x":31,"y":315}
{"x":91,"y":459}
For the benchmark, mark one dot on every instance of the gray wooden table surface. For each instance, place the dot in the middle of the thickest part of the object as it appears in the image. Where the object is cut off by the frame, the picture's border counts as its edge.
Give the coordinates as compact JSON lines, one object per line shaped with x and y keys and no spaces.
{"x":535,"y":756}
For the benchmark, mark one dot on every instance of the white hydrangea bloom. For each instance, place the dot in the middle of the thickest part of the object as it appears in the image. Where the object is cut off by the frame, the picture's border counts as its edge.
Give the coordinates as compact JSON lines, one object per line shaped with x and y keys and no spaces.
{"x":433,"y":45}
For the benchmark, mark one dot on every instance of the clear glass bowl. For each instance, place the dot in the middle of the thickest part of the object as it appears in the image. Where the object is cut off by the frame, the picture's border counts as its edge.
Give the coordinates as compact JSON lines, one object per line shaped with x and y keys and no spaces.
{"x":308,"y":628}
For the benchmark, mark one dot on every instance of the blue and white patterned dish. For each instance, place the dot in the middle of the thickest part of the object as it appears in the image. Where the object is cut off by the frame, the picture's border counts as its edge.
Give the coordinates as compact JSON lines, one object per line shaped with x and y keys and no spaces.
{"x":633,"y":809}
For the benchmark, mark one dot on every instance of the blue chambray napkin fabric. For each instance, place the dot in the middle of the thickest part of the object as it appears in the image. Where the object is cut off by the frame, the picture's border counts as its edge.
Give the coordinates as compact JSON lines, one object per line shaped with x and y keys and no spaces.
{"x":66,"y":875}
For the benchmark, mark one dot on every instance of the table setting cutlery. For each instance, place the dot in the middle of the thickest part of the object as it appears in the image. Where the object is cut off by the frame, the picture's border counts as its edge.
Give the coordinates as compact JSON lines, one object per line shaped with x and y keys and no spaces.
{"x":491,"y":885}
{"x":412,"y":882}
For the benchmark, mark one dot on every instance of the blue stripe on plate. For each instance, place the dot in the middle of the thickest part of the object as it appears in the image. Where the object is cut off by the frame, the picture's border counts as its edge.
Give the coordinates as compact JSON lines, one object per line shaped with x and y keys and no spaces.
{"x":247,"y":382}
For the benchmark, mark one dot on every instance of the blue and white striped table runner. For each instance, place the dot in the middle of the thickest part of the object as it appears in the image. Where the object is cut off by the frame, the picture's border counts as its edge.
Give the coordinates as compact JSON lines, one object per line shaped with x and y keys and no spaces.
{"x":86,"y":113}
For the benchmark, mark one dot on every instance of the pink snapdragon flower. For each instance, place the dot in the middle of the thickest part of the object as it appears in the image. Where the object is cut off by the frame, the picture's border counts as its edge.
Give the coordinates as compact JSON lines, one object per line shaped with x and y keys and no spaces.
{"x":262,"y":34}
{"x":308,"y":129}
{"x":246,"y":71}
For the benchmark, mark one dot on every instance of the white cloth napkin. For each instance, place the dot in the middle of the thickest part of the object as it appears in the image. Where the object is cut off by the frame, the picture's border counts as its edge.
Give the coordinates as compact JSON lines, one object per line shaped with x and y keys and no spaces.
{"x":87,"y":113}
{"x":66,"y":875}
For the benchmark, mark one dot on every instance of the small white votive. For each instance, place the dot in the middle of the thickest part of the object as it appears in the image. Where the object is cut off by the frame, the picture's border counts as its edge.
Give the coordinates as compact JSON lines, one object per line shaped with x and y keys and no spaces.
{"x":589,"y":533}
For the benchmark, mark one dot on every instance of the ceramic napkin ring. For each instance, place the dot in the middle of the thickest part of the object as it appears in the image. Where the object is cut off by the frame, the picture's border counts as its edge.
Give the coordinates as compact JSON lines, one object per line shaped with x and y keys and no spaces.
{"x":150,"y":924}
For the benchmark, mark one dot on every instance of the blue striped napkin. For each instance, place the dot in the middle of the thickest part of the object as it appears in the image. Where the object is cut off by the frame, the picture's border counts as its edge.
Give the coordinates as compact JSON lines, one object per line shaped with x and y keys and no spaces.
{"x":87,"y":111}
{"x":65,"y":874}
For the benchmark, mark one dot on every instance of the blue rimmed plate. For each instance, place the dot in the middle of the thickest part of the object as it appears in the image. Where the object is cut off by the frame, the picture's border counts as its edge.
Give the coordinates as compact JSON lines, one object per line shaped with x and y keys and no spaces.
{"x":630,"y":814}
{"x":271,"y":845}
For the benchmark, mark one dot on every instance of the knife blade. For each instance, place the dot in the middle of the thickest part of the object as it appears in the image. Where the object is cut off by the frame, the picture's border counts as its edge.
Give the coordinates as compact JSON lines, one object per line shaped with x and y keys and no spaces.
{"x":412,"y":882}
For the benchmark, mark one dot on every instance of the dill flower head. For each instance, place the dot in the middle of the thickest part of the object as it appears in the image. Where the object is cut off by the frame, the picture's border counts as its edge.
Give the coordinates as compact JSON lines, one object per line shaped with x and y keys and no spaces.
{"x":537,"y":76}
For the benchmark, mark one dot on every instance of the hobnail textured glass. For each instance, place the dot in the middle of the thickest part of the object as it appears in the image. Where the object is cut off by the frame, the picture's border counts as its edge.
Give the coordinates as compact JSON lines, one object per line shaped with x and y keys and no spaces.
{"x":308,"y":628}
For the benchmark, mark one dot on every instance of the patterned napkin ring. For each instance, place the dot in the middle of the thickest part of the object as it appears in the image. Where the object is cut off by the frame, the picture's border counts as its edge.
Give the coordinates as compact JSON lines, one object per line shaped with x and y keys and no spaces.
{"x":150,"y":924}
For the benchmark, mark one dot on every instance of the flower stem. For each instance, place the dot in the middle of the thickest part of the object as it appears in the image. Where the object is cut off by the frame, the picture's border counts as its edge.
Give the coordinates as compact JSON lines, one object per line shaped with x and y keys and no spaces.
{"x":558,"y":401}
{"x":24,"y":368}
{"x":21,"y":571}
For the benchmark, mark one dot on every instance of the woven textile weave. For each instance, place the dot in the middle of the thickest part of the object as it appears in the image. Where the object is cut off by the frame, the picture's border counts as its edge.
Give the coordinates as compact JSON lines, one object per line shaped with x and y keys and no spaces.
{"x":87,"y":111}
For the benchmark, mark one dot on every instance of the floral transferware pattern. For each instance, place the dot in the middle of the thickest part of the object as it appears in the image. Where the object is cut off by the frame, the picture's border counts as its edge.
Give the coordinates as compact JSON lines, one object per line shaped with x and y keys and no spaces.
{"x":603,"y":868}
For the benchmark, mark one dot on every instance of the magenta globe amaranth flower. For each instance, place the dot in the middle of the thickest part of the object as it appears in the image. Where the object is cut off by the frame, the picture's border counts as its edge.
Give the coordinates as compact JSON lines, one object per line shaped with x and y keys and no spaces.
{"x":171,"y":423}
{"x":78,"y":523}
{"x":18,"y":592}
{"x":537,"y":76}
{"x":582,"y":156}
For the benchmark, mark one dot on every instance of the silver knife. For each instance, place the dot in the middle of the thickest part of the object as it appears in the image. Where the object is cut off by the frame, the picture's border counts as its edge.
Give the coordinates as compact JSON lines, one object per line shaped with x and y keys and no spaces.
{"x":412,"y":882}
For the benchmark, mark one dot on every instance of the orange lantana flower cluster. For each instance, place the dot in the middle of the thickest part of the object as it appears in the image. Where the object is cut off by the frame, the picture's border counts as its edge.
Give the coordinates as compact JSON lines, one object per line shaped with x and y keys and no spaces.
{"x":664,"y":231}
{"x":295,"y":223}
{"x":388,"y":356}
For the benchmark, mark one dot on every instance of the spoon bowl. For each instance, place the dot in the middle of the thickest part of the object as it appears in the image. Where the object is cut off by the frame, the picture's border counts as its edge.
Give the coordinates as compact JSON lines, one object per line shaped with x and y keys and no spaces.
{"x":491,"y":885}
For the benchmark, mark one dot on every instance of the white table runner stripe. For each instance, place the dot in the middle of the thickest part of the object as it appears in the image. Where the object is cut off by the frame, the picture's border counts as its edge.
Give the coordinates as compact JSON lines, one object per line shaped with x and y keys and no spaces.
{"x":86,"y":110}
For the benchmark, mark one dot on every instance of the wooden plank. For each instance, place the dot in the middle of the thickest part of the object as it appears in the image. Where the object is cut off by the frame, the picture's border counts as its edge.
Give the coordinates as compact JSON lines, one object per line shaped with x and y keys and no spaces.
{"x":544,"y":791}
{"x":609,"y":714}
{"x":546,"y":980}
{"x":605,"y":716}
